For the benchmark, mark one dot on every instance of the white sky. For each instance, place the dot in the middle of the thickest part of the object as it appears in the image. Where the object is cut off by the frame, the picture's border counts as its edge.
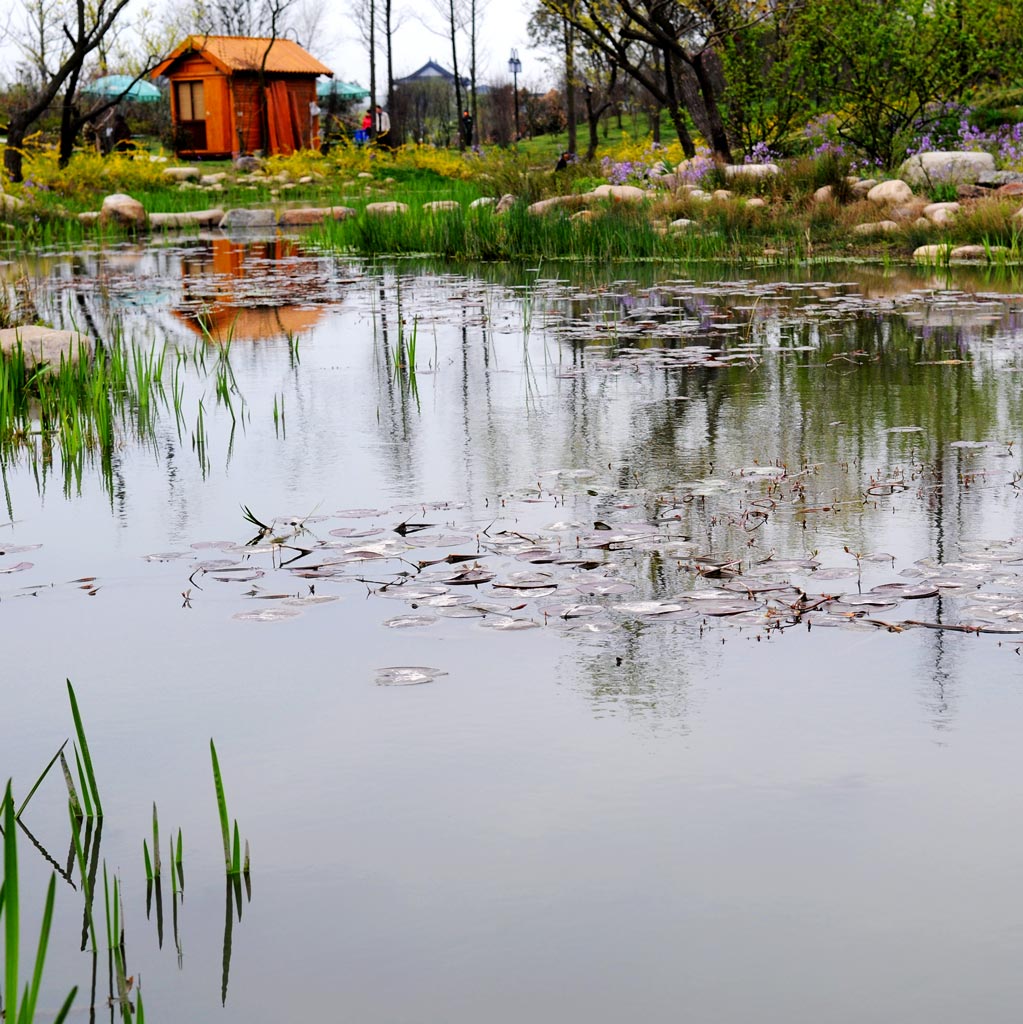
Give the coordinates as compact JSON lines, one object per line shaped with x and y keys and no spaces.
{"x":502,"y":26}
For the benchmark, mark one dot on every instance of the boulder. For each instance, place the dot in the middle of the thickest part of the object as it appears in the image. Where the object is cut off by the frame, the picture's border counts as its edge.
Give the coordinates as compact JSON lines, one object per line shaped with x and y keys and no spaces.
{"x":751,"y":170}
{"x":881,"y":227}
{"x":923,"y":224}
{"x":557,"y":202}
{"x":181,"y":173}
{"x":243,"y":218}
{"x":10,"y":204}
{"x":43,"y":345}
{"x":620,"y":193}
{"x":89,"y":217}
{"x":971,"y":192}
{"x":699,"y":195}
{"x":941,"y":213}
{"x":385,"y":209}
{"x":1011,"y":188}
{"x":894,"y":191}
{"x":824,"y":194}
{"x":721,"y":194}
{"x":364,"y":174}
{"x":187,"y":219}
{"x":756,"y":202}
{"x":313,"y":215}
{"x":213,"y":179}
{"x":122,"y":209}
{"x":997,"y":178}
{"x":442,"y":206}
{"x":946,"y":166}
{"x":505,"y":203}
{"x":247,"y":164}
{"x":932,"y":253}
{"x":482,"y":201}
{"x":975,"y":252}
{"x":583,"y":215}
{"x":680,"y":225}
{"x":306,"y":179}
{"x":863,"y":186}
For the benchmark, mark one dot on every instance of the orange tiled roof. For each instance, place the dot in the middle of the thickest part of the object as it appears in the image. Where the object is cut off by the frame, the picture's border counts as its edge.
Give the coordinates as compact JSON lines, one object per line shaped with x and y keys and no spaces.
{"x":242,"y":53}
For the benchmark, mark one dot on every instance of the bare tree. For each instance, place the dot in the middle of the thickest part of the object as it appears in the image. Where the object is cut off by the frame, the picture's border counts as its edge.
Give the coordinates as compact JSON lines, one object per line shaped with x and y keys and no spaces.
{"x":84,"y":29}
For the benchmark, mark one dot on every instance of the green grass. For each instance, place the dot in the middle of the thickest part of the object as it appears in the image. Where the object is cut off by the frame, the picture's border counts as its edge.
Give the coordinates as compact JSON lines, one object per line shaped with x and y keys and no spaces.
{"x":232,"y":848}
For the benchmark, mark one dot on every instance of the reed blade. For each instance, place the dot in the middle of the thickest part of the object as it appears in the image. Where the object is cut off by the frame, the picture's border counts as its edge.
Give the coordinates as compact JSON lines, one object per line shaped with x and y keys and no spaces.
{"x":221,"y":806}
{"x":10,"y":903}
{"x":149,"y":863}
{"x":85,"y":788}
{"x":72,"y":793}
{"x":44,"y":939}
{"x":156,"y":844}
{"x":84,"y":745}
{"x":38,"y":782}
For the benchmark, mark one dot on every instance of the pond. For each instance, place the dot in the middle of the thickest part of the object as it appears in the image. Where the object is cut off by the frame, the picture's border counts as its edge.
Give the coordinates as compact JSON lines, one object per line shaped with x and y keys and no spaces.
{"x":579,"y":642}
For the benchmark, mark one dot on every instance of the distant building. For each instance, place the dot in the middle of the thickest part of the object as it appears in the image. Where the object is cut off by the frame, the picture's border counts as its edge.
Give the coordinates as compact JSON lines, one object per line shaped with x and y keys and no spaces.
{"x":431,"y":71}
{"x":234,"y":94}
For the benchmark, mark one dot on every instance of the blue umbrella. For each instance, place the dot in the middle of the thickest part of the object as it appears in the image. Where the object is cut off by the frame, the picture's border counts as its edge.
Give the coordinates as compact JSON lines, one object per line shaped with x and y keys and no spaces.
{"x":116,"y":85}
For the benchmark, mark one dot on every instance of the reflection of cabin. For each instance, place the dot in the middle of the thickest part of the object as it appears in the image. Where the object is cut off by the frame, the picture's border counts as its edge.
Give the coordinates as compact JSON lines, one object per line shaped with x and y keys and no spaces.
{"x":214,"y":291}
{"x":234,"y":95}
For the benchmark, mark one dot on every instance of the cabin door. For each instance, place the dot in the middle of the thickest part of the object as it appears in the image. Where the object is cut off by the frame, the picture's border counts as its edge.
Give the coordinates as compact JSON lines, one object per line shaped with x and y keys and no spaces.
{"x":191,"y":108}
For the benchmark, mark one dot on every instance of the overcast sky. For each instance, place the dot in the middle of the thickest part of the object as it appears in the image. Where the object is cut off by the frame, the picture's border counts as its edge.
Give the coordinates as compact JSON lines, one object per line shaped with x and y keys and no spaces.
{"x":502,"y":26}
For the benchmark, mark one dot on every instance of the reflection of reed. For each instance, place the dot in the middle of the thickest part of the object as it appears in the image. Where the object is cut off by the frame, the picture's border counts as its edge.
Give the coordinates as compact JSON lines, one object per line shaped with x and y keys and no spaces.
{"x":232,"y":904}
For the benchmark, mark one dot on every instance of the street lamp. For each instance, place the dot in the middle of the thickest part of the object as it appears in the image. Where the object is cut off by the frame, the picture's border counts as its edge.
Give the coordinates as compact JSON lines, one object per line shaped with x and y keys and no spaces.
{"x":515,"y":66}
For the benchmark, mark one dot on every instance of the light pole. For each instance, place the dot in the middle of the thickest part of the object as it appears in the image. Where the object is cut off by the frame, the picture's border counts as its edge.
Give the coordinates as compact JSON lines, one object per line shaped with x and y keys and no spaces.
{"x":515,"y":66}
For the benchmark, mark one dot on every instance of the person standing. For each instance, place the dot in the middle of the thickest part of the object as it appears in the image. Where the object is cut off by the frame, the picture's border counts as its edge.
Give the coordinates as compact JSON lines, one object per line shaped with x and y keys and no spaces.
{"x":382,"y":127}
{"x":466,"y":129}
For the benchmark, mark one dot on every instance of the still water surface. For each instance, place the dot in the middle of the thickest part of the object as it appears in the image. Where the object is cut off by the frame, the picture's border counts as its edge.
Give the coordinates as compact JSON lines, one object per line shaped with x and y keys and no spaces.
{"x":624,"y":804}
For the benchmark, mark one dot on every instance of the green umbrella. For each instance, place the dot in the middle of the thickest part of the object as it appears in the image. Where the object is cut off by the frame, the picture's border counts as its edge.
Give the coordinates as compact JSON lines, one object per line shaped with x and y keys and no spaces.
{"x":123,"y":85}
{"x":342,"y":90}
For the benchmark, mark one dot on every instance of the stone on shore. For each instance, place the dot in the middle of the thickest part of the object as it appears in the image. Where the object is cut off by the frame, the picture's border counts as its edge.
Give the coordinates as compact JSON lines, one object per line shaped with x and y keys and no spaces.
{"x":620,"y":193}
{"x":751,"y":170}
{"x":880,"y":227}
{"x":385,"y":209}
{"x":304,"y":216}
{"x":894,"y":191}
{"x":946,"y":166}
{"x":505,"y":203}
{"x":44,"y":345}
{"x":181,"y":173}
{"x":941,"y":213}
{"x":482,"y":201}
{"x":124,"y":210}
{"x":244,"y":218}
{"x":442,"y":206}
{"x":10,"y":204}
{"x":187,"y":219}
{"x":932,"y":253}
{"x":557,"y":202}
{"x":976,"y":252}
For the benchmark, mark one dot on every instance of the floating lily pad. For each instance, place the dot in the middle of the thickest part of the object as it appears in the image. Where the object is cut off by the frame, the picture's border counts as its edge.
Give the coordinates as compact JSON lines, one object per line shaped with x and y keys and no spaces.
{"x":407,"y":675}
{"x":410,"y":621}
{"x":267,"y":615}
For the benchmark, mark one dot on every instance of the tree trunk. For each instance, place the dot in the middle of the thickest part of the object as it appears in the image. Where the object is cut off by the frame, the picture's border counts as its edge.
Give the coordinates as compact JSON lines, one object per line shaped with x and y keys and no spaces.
{"x":570,"y":115}
{"x":675,"y":109}
{"x":389,"y":31}
{"x":718,"y":136}
{"x":472,"y":73}
{"x":17,"y":129}
{"x":454,"y":67}
{"x":372,"y":56}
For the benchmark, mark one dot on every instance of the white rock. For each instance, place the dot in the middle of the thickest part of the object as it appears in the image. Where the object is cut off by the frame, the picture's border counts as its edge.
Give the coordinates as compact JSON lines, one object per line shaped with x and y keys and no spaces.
{"x":45,"y":345}
{"x":894,"y":191}
{"x":122,"y":209}
{"x":442,"y":206}
{"x":505,"y":203}
{"x":620,"y":193}
{"x":10,"y":204}
{"x":751,"y":170}
{"x":881,"y":227}
{"x":212,"y":179}
{"x":385,"y":209}
{"x":482,"y":201}
{"x":976,"y":252}
{"x":757,"y":202}
{"x":932,"y":253}
{"x":941,"y":213}
{"x":721,"y":194}
{"x":946,"y":166}
{"x":181,"y":173}
{"x":824,"y":194}
{"x":682,"y":224}
{"x":546,"y":205}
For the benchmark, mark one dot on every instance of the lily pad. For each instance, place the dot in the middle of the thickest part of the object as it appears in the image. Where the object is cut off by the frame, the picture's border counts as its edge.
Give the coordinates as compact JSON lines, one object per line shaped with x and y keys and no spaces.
{"x":407,"y":675}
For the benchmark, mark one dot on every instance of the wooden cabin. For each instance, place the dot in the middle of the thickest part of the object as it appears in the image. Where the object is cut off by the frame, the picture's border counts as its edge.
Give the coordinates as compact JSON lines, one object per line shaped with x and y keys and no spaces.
{"x":232,"y":95}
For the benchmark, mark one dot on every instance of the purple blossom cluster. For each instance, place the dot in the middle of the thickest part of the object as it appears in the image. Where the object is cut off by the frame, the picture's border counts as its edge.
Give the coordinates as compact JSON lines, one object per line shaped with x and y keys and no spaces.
{"x":949,"y":127}
{"x":761,"y":153}
{"x":821,"y":133}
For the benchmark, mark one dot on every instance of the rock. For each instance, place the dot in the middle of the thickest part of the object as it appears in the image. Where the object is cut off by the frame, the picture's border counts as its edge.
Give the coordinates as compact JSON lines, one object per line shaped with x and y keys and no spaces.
{"x":699,"y":195}
{"x":620,"y":193}
{"x":313,"y":215}
{"x":756,"y":202}
{"x":931,"y":253}
{"x":721,"y":194}
{"x":583,"y":215}
{"x":243,"y":218}
{"x":975,"y":252}
{"x":364,"y":174}
{"x":908,"y":212}
{"x":505,"y":203}
{"x":894,"y":191}
{"x":43,"y":345}
{"x":824,"y":194}
{"x":482,"y":201}
{"x":306,"y":179}
{"x":213,"y":179}
{"x":89,"y":217}
{"x":998,"y":178}
{"x":181,"y":173}
{"x":751,"y":170}
{"x":1011,"y":188}
{"x":187,"y":219}
{"x":385,"y":209}
{"x":680,"y":225}
{"x":863,"y":186}
{"x":923,"y":224}
{"x":556,"y":202}
{"x":122,"y":209}
{"x":881,"y":227}
{"x":10,"y":204}
{"x":941,"y":213}
{"x":247,"y":164}
{"x":442,"y":206}
{"x":946,"y":166}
